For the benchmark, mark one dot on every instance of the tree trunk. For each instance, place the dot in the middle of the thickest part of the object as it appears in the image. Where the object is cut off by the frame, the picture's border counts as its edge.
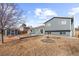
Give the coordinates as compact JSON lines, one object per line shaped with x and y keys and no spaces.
{"x":2,"y":35}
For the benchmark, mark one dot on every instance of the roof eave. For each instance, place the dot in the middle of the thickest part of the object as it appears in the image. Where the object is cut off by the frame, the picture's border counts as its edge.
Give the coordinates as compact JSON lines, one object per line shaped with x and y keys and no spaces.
{"x":59,"y":17}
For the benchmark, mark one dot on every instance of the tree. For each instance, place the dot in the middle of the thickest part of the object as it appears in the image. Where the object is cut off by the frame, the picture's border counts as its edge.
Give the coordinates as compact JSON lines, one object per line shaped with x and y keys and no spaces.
{"x":10,"y":15}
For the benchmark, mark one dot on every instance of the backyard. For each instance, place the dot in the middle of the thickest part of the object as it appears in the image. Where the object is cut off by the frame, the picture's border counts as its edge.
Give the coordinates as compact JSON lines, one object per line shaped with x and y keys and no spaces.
{"x":41,"y":46}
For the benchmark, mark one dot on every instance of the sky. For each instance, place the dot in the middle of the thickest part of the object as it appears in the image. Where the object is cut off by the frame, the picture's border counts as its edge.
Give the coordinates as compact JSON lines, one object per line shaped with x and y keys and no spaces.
{"x":35,"y":14}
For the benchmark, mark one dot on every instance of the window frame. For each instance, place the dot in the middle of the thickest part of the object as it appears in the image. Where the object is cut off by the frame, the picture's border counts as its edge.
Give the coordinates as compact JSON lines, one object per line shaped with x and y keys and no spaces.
{"x":63,"y":22}
{"x":61,"y":33}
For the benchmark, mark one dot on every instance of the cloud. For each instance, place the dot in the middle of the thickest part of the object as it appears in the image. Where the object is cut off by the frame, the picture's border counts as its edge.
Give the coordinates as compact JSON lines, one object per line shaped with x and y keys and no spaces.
{"x":74,"y":11}
{"x":38,"y":12}
{"x":44,"y":13}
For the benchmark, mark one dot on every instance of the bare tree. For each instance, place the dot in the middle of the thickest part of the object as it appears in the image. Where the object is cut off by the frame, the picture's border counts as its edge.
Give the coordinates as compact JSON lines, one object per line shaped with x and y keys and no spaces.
{"x":10,"y":15}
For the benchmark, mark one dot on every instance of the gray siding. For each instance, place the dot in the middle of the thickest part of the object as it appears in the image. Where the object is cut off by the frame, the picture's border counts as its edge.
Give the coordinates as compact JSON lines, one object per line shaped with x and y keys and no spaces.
{"x":58,"y":33}
{"x":55,"y":24}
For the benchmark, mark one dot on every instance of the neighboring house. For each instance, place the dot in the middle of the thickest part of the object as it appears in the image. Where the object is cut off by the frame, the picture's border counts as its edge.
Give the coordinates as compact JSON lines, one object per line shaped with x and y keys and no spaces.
{"x":11,"y":32}
{"x":57,"y":26}
{"x":24,"y":29}
{"x":16,"y":31}
{"x":37,"y":30}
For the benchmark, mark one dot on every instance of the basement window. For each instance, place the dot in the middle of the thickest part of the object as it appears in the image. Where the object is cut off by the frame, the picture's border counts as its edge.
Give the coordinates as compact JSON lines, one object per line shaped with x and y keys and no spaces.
{"x":62,"y":33}
{"x":47,"y":32}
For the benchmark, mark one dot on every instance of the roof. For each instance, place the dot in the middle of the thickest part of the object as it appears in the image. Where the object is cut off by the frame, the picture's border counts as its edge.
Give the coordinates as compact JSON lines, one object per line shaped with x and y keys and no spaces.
{"x":60,"y":18}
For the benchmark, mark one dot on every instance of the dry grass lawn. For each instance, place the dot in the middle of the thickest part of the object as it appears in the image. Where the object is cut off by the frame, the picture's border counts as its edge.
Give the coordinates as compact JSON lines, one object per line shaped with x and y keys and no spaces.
{"x":41,"y":46}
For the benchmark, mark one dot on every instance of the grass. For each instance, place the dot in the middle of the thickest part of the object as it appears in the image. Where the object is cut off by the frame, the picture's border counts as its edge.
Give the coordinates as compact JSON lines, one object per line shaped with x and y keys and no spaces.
{"x":41,"y":46}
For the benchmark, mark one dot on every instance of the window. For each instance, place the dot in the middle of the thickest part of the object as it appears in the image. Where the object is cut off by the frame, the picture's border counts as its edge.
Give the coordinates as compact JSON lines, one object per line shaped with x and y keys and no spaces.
{"x":62,"y":33}
{"x":48,"y":32}
{"x":49,"y":24}
{"x":63,"y":22}
{"x":41,"y":30}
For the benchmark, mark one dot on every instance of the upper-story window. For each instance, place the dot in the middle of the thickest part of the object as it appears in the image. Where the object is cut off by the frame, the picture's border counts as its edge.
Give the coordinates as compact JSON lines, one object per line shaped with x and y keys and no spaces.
{"x":63,"y":22}
{"x":49,"y":24}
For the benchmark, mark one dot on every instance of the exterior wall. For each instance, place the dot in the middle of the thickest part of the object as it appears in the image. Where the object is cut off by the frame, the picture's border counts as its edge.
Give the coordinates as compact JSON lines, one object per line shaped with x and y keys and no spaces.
{"x":11,"y":32}
{"x":56,"y":24}
{"x":72,"y":27}
{"x":58,"y":33}
{"x":36,"y":31}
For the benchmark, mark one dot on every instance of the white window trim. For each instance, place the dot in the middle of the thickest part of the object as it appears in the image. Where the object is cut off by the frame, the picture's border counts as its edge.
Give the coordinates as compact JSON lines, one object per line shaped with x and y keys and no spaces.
{"x":63,"y":22}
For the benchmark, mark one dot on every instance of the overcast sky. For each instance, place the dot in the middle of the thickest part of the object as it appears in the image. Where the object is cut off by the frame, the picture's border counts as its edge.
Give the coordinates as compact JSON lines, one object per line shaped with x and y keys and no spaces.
{"x":37,"y":13}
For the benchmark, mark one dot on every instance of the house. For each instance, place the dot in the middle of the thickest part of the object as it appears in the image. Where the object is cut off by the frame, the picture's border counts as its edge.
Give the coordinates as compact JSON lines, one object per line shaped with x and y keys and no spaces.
{"x":24,"y":29}
{"x":16,"y":30}
{"x":37,"y":30}
{"x":57,"y":26}
{"x":60,"y":26}
{"x":11,"y":32}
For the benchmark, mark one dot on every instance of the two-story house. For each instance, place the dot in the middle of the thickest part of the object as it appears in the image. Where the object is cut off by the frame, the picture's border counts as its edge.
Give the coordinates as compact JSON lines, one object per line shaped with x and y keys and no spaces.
{"x":60,"y":26}
{"x":57,"y":26}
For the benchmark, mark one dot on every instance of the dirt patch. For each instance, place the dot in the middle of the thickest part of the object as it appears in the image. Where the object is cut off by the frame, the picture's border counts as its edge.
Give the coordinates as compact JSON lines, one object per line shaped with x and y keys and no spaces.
{"x":48,"y":41}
